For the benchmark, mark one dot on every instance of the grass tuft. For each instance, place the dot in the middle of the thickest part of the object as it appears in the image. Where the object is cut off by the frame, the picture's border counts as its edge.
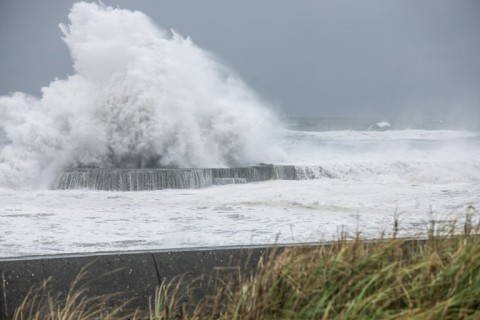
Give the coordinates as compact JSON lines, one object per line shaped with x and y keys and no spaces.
{"x":42,"y":304}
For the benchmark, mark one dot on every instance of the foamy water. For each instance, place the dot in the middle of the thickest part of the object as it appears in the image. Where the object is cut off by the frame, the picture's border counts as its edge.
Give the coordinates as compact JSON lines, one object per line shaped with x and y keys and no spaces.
{"x":143,"y":97}
{"x":44,"y":222}
{"x":368,"y":188}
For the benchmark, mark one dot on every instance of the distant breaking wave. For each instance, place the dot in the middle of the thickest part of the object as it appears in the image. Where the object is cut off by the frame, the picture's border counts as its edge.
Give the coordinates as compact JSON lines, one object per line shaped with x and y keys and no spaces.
{"x":380,"y":126}
{"x":140,"y":97}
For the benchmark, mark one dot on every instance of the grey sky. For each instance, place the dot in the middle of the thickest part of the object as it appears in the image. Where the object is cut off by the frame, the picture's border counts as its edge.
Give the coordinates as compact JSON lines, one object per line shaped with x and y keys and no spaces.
{"x":311,"y":58}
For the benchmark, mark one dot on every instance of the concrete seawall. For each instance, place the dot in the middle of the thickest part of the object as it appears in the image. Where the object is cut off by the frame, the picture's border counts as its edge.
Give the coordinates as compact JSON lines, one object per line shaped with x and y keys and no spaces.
{"x":135,"y":275}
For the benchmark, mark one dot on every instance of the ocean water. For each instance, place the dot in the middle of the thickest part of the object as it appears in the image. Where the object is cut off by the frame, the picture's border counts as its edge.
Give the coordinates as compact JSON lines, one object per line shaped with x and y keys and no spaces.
{"x":413,"y":174}
{"x":142,"y":97}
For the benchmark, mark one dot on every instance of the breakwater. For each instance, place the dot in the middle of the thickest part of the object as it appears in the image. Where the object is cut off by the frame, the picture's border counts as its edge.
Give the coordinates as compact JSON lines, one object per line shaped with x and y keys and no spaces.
{"x":157,"y":179}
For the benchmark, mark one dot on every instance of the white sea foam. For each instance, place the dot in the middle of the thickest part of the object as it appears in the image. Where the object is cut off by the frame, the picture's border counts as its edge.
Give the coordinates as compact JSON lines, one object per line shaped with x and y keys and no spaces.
{"x":41,"y":222}
{"x":140,"y":96}
{"x":412,"y":156}
{"x":353,"y":135}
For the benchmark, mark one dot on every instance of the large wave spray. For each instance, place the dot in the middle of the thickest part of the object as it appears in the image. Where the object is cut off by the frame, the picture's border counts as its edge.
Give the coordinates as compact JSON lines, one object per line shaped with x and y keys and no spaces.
{"x":140,"y":97}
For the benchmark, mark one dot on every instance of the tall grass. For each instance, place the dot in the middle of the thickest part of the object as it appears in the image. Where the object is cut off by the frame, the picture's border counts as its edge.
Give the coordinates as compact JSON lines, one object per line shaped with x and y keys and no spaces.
{"x":434,"y":278}
{"x":42,"y":304}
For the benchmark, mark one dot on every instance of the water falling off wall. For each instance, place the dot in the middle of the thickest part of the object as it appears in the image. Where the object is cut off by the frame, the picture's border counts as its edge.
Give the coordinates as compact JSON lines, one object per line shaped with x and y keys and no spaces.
{"x":133,"y":179}
{"x":157,"y":179}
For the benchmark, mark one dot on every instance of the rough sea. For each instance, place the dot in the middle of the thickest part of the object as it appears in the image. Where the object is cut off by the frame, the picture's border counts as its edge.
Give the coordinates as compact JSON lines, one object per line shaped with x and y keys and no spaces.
{"x":145,"y":97}
{"x":377,"y":175}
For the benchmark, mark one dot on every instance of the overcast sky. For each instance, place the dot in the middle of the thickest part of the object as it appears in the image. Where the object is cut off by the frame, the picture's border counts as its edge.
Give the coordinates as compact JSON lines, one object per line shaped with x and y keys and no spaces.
{"x":310,"y":58}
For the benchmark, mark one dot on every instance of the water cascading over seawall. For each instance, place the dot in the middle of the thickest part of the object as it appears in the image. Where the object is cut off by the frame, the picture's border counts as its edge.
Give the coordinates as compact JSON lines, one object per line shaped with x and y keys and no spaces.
{"x":157,"y":179}
{"x":133,"y":179}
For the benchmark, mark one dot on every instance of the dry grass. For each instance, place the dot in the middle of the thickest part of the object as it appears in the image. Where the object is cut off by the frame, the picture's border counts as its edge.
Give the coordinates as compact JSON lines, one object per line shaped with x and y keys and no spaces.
{"x":41,"y":304}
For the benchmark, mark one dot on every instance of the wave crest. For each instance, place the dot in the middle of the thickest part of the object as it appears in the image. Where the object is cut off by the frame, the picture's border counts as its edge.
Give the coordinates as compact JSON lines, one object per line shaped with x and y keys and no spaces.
{"x":140,"y":97}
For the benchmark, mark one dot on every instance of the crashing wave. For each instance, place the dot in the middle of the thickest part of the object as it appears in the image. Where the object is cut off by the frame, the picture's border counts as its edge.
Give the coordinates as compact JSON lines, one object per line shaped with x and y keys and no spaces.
{"x":140,"y":97}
